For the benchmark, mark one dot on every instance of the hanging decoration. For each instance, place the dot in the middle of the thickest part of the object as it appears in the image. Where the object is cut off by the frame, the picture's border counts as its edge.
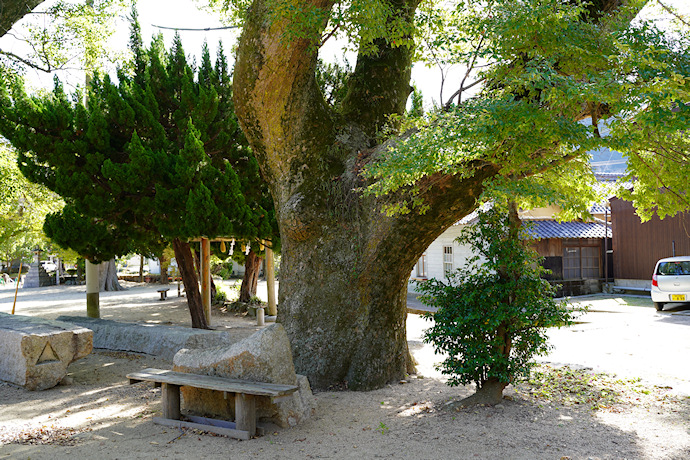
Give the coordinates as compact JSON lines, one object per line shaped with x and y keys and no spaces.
{"x":261,"y":245}
{"x":222,"y":247}
{"x":232,"y":246}
{"x":249,"y":248}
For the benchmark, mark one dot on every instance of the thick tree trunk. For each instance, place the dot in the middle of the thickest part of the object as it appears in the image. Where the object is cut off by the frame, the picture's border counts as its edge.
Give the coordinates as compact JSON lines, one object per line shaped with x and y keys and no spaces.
{"x":252,"y":266}
{"x":188,"y":273}
{"x":11,"y":11}
{"x":345,"y":264}
{"x":107,"y":277}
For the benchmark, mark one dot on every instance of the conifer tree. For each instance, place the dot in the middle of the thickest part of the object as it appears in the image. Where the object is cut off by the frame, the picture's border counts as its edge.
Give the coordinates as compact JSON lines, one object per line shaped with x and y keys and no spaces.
{"x":157,"y":157}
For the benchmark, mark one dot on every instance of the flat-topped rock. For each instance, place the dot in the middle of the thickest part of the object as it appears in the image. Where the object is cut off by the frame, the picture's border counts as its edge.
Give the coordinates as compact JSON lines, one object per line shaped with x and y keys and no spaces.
{"x":35,"y":352}
{"x":154,"y":339}
{"x":263,"y":357}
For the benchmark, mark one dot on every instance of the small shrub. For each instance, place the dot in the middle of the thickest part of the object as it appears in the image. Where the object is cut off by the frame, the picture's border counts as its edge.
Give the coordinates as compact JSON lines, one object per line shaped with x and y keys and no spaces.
{"x":493,"y":313}
{"x":221,"y":296}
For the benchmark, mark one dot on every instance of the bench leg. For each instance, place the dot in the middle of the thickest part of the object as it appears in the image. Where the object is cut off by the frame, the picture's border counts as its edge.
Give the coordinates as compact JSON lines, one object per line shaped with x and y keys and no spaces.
{"x":245,"y":413}
{"x":171,"y":401}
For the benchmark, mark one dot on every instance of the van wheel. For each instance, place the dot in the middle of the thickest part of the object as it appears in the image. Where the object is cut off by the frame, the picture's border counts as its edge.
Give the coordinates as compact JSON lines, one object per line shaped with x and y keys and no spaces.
{"x":659,"y":306}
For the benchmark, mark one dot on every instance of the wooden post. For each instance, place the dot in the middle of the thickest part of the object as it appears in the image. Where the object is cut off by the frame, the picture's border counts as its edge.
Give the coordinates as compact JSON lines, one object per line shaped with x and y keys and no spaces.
{"x":206,"y":278}
{"x":57,"y":271}
{"x":16,"y":287}
{"x":171,"y":401}
{"x":92,"y":297}
{"x":245,"y":413}
{"x":270,"y":283}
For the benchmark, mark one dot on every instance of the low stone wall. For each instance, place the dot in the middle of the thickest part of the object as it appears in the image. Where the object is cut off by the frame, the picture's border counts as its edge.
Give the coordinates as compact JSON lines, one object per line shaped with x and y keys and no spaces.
{"x":154,"y":339}
{"x":35,"y":352}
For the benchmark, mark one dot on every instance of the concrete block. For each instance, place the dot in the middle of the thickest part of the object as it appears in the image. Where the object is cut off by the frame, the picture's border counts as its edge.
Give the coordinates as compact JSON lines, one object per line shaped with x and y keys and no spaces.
{"x":35,"y":352}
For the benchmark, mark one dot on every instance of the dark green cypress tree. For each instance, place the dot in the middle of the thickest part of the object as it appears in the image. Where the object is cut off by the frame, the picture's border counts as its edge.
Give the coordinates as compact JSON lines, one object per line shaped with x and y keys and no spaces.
{"x":158,"y":157}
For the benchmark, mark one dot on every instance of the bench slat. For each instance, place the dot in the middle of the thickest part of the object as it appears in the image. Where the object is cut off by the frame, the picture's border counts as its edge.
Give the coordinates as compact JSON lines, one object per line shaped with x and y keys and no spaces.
{"x":212,"y":383}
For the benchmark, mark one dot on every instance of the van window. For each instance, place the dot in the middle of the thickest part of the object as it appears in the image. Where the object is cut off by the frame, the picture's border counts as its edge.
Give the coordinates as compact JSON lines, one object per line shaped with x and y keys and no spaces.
{"x":674,"y":268}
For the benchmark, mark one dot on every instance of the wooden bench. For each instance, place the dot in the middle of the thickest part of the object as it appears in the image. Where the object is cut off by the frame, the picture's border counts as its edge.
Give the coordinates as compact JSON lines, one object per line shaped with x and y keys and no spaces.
{"x":245,"y":392}
{"x":164,"y":293}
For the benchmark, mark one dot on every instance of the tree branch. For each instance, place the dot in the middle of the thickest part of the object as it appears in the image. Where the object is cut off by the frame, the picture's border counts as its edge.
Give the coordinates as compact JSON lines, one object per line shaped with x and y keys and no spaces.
{"x":380,"y":84}
{"x":26,"y":62}
{"x":673,"y":12}
{"x":462,"y":88}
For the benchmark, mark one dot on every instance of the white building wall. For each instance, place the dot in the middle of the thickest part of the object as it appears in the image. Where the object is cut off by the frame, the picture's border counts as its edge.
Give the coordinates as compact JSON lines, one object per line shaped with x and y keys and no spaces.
{"x":434,"y":255}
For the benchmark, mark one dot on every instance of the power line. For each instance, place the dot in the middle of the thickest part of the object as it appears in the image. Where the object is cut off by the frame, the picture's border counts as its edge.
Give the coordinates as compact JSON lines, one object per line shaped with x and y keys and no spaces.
{"x":196,"y":30}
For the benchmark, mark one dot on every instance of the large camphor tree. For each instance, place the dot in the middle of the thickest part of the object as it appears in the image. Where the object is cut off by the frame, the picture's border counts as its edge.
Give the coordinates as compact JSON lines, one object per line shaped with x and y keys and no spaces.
{"x":346,"y":254}
{"x":156,"y":157}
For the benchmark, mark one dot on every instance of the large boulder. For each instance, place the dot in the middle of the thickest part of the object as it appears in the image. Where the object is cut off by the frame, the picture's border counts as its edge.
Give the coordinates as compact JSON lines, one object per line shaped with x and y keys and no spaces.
{"x":35,"y":352}
{"x":265,"y":356}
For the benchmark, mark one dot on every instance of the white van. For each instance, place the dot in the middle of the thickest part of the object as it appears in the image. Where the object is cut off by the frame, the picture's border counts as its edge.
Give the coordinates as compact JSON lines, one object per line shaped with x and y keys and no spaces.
{"x":671,"y":281}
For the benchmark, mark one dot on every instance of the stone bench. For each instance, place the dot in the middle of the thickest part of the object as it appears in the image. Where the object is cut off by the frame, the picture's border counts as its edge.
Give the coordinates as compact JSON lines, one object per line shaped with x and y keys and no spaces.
{"x":244,"y":426}
{"x":35,"y":352}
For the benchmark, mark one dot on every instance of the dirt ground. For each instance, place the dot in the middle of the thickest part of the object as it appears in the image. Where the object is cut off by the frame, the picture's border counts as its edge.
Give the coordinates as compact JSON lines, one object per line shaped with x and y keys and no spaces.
{"x":560,"y":414}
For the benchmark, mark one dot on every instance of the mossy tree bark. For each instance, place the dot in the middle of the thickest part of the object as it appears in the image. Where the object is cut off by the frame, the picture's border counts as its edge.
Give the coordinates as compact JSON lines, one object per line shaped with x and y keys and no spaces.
{"x":11,"y":11}
{"x":345,"y":264}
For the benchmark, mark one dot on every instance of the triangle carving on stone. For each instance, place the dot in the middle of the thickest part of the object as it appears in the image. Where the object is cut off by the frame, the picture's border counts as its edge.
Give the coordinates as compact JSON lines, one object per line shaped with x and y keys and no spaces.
{"x":47,"y":355}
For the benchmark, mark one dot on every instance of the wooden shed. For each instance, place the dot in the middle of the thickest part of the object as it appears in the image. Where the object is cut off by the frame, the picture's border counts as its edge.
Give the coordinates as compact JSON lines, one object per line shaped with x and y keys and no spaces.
{"x":637,"y":246}
{"x":573,"y":252}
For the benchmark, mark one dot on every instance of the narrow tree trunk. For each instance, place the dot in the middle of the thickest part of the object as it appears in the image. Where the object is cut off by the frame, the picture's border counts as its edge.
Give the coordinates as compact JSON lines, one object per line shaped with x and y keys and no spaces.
{"x":252,"y":266}
{"x":80,"y":273}
{"x":141,"y":269}
{"x":188,"y":273}
{"x":489,"y":394}
{"x":164,"y":269}
{"x":107,"y":277}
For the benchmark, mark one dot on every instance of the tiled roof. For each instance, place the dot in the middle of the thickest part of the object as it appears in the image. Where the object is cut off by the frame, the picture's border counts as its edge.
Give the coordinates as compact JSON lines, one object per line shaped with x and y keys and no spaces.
{"x":598,"y":208}
{"x":553,"y":229}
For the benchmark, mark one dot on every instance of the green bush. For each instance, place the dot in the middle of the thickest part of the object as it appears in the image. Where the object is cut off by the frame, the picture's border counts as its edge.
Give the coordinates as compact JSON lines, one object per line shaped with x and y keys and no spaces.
{"x":221,"y":296}
{"x":493,"y":313}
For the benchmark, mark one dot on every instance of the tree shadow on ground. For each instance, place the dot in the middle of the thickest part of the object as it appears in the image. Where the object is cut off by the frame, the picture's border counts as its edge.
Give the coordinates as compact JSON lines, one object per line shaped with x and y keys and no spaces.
{"x":111,"y":419}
